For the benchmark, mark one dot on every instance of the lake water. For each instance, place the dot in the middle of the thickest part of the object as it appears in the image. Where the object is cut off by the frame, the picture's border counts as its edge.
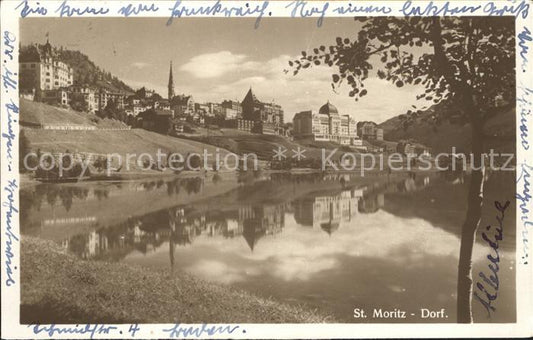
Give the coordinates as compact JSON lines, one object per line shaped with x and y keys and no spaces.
{"x":330,"y":242}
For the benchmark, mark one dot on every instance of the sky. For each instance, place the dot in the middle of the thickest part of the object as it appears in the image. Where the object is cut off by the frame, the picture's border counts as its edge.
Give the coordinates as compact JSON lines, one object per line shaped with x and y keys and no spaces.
{"x":218,"y":59}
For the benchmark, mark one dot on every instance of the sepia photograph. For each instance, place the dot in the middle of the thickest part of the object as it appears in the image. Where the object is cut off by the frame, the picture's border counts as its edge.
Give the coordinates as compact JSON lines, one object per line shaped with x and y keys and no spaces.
{"x":288,"y":171}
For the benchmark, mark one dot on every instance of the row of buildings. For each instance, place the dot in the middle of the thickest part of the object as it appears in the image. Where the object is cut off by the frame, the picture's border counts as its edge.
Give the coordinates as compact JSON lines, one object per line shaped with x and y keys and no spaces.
{"x":44,"y":77}
{"x":257,"y":116}
{"x":168,"y":115}
{"x":251,"y":114}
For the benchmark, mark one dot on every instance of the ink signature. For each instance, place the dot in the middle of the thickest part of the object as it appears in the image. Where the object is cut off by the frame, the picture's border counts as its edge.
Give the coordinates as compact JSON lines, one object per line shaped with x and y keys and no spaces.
{"x":492,"y":282}
{"x":186,"y":331}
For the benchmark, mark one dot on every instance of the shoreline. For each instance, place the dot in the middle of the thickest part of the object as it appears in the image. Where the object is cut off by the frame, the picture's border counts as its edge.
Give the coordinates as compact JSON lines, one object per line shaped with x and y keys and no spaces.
{"x":27,"y":180}
{"x":60,"y":288}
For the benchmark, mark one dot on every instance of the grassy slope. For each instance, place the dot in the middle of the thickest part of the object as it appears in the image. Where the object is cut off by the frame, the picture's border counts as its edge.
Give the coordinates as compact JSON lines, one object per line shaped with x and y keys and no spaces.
{"x":264,"y":146}
{"x":77,"y":291}
{"x":36,"y":113}
{"x":99,"y":142}
{"x":103,"y":142}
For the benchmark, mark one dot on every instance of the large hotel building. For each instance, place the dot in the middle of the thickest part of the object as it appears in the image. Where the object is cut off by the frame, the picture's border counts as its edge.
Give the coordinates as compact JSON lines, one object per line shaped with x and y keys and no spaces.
{"x":326,"y":125}
{"x":42,"y":70}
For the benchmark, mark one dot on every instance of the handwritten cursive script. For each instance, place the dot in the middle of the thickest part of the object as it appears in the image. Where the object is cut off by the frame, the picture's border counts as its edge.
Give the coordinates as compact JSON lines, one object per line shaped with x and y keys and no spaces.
{"x":90,"y":329}
{"x":303,"y":9}
{"x":523,"y":197}
{"x":68,"y":10}
{"x":492,"y":282}
{"x":11,"y":109}
{"x":523,"y":101}
{"x":182,"y":10}
{"x":9,"y":39}
{"x":9,"y":210}
{"x":130,"y":9}
{"x":524,"y":38}
{"x":179,"y":331}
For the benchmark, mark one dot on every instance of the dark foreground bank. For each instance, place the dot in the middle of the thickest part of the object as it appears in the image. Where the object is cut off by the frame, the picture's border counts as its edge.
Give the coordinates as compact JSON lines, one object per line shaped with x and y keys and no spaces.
{"x":60,"y":288}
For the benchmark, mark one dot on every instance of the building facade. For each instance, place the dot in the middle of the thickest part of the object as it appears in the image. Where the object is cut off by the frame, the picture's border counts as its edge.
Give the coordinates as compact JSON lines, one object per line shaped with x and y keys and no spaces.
{"x":326,"y":125}
{"x":105,"y":96}
{"x":269,"y":116}
{"x":182,"y":105}
{"x":369,"y":131}
{"x":55,"y":97}
{"x":231,"y":109}
{"x":156,"y":120}
{"x":88,"y":93}
{"x":41,"y":69}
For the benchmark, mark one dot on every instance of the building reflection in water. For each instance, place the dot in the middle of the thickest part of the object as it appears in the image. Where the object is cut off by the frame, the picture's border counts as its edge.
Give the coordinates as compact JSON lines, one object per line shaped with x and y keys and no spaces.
{"x":180,"y":226}
{"x":328,"y":212}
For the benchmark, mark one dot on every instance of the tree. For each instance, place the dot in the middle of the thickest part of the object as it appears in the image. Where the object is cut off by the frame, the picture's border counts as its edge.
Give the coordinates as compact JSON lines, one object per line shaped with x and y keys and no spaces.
{"x":120,"y":115}
{"x":463,"y":62}
{"x":113,"y":112}
{"x":78,"y":102}
{"x":111,"y":108}
{"x":130,"y":120}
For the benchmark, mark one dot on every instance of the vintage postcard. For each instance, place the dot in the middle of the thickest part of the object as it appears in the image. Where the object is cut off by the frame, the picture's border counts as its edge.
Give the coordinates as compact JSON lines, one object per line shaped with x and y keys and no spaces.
{"x":266,"y":169}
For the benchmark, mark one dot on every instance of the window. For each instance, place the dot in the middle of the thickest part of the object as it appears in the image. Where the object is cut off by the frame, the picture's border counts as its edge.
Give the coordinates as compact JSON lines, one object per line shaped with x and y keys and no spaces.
{"x":47,"y":80}
{"x":47,"y":73}
{"x":32,"y":65}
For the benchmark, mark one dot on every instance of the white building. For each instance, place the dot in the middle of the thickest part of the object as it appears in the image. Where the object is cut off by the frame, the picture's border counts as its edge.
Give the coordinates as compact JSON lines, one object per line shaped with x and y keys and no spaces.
{"x":326,"y":125}
{"x":40,"y":69}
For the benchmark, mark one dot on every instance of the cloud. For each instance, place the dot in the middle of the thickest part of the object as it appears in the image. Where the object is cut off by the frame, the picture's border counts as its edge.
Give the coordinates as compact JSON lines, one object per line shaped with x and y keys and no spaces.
{"x":214,"y":77}
{"x":308,"y":90}
{"x":217,"y":271}
{"x":140,"y":64}
{"x":409,"y":243}
{"x":214,"y":65}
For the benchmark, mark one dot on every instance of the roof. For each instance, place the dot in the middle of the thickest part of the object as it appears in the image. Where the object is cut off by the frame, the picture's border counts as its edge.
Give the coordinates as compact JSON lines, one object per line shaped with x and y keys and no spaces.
{"x":329,"y":109}
{"x":250,"y":96}
{"x":362,"y":124}
{"x":180,"y":99}
{"x":252,"y":233}
{"x":83,"y":86}
{"x":329,"y":227}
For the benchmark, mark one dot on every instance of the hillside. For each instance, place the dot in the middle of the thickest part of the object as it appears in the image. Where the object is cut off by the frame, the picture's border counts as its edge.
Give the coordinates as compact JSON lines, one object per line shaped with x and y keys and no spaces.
{"x":100,"y":141}
{"x":265,"y":146}
{"x":135,"y":141}
{"x":39,"y":114}
{"x":85,"y":71}
{"x":442,"y":138}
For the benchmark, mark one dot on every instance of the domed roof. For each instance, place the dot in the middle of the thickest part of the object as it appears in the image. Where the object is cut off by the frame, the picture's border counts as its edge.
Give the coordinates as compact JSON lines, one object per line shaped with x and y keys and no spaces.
{"x":329,"y":109}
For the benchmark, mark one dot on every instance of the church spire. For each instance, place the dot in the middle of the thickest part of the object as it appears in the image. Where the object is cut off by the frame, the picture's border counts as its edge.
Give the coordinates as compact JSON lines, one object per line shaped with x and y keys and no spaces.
{"x":170,"y":84}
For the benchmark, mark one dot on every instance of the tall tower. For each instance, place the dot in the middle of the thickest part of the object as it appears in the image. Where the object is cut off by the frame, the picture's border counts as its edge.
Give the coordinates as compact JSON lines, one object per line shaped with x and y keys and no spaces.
{"x":170,"y":84}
